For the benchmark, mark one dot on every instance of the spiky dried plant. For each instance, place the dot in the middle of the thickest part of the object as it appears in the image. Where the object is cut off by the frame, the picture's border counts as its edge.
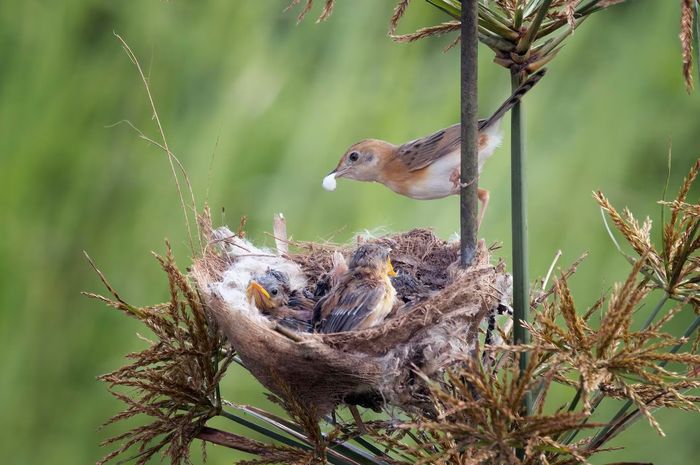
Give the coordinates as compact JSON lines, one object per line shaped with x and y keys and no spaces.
{"x":673,"y":267}
{"x":175,"y":380}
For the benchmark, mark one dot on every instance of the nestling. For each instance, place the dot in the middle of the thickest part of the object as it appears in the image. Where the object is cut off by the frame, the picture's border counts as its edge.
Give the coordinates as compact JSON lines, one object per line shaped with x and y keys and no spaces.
{"x":362,"y":297}
{"x":425,"y":168}
{"x":272,"y":295}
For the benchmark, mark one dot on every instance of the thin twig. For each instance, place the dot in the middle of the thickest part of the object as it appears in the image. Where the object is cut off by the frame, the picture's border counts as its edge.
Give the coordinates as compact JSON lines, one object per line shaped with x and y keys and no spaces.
{"x":171,"y":157}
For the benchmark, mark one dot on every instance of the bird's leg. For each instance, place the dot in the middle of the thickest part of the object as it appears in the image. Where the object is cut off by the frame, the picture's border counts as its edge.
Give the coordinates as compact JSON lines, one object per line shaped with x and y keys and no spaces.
{"x":483,"y":196}
{"x":361,"y":428}
{"x":455,"y":179}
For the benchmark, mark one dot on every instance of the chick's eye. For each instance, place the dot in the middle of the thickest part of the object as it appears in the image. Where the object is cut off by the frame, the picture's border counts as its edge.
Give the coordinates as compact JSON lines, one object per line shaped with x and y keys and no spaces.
{"x":273,"y":292}
{"x":354,"y":156}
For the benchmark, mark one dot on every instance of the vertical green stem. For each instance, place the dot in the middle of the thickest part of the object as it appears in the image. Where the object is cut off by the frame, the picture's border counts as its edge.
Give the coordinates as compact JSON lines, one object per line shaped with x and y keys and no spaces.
{"x":469,"y":173}
{"x":655,"y":311}
{"x":521,"y":284}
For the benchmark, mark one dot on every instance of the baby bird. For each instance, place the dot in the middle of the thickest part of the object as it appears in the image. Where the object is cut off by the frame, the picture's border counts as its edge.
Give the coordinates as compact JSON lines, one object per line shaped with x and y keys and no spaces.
{"x":363,"y":295}
{"x":272,"y":295}
{"x":429,"y":167}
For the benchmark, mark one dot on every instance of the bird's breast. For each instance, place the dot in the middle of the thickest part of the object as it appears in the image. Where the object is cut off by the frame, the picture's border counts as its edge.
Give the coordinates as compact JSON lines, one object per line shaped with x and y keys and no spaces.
{"x":383,"y":308}
{"x":436,"y":180}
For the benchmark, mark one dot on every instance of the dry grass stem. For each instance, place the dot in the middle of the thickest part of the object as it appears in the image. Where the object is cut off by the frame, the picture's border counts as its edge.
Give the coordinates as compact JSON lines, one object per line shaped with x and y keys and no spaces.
{"x":686,"y":36}
{"x":172,"y":159}
{"x":422,"y":33}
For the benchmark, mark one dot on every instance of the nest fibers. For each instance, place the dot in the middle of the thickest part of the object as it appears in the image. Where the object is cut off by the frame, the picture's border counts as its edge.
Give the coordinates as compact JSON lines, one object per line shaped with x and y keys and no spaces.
{"x":434,"y":325}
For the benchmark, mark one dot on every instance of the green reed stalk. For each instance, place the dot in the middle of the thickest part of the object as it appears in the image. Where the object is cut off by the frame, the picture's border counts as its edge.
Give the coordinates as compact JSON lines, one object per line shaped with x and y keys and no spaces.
{"x":521,"y":283}
{"x":469,"y":163}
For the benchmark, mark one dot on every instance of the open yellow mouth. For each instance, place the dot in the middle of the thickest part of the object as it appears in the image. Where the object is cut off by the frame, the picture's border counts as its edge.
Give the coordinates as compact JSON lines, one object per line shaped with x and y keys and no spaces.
{"x":258,"y":294}
{"x":390,"y":267}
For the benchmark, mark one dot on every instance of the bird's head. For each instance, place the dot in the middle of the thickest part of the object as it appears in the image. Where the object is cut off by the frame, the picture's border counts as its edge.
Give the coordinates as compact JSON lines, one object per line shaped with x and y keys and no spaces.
{"x":373,"y":258}
{"x":269,"y":291}
{"x":361,"y":162}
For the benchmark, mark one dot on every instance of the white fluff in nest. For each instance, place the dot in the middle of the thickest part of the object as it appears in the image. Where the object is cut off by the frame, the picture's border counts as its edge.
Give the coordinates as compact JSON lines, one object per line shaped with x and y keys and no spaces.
{"x":370,"y":234}
{"x":247,"y":262}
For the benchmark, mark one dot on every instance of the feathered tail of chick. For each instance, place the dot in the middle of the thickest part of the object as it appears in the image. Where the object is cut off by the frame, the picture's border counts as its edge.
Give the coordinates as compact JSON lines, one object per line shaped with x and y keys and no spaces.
{"x":515,"y":97}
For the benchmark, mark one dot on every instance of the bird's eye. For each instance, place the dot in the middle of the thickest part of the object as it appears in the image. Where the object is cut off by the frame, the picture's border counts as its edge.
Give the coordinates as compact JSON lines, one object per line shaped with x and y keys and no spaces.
{"x":273,"y":292}
{"x":354,"y":156}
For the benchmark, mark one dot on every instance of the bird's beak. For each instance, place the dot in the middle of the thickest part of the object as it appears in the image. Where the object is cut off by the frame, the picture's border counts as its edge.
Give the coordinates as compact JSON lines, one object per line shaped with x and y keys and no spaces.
{"x":329,"y":180}
{"x":390,"y":267}
{"x":258,"y":294}
{"x":340,"y":173}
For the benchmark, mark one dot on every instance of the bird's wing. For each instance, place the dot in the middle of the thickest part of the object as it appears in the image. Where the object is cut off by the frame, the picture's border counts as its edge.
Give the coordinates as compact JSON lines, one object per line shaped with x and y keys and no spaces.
{"x":351,"y":307}
{"x":419,"y":153}
{"x":302,"y":326}
{"x":298,"y":301}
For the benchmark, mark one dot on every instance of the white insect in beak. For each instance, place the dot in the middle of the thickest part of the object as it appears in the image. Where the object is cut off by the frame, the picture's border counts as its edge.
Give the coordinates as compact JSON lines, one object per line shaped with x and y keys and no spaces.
{"x":329,"y":182}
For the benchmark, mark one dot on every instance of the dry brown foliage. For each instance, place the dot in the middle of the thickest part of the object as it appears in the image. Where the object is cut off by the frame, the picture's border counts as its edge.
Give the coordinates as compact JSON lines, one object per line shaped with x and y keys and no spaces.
{"x":686,"y":35}
{"x":674,"y":266}
{"x":174,"y":381}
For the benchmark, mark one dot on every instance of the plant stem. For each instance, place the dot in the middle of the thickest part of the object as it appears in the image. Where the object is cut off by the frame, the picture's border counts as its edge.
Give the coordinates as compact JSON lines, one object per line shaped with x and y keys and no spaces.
{"x":576,"y":399}
{"x":447,"y":7}
{"x":655,"y":312}
{"x":469,"y":173}
{"x":485,"y":12}
{"x":531,"y":34}
{"x":264,"y":431}
{"x":683,"y":256}
{"x":223,"y":438}
{"x":497,"y":28}
{"x":696,"y":36}
{"x":521,"y":284}
{"x":494,"y":42}
{"x":518,"y":17}
{"x":338,"y":452}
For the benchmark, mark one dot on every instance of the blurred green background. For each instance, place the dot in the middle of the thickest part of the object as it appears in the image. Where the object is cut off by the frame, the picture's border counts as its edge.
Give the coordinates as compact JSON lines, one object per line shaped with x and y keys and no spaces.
{"x":259,"y":110}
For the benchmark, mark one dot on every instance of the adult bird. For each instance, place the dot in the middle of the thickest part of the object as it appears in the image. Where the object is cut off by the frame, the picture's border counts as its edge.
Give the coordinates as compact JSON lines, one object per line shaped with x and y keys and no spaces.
{"x":363,"y":295}
{"x":272,"y":295}
{"x":429,"y":167}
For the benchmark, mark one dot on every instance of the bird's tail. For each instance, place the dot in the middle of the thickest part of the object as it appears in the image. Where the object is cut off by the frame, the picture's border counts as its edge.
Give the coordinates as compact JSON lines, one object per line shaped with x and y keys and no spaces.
{"x":512,"y":100}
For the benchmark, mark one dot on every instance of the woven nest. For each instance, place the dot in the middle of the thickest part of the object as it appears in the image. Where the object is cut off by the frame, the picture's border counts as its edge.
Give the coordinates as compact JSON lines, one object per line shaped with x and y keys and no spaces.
{"x":433,"y":326}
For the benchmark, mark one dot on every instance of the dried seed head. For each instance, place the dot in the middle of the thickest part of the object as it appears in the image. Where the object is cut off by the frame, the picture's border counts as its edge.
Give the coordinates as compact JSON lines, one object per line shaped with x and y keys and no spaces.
{"x":686,"y":36}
